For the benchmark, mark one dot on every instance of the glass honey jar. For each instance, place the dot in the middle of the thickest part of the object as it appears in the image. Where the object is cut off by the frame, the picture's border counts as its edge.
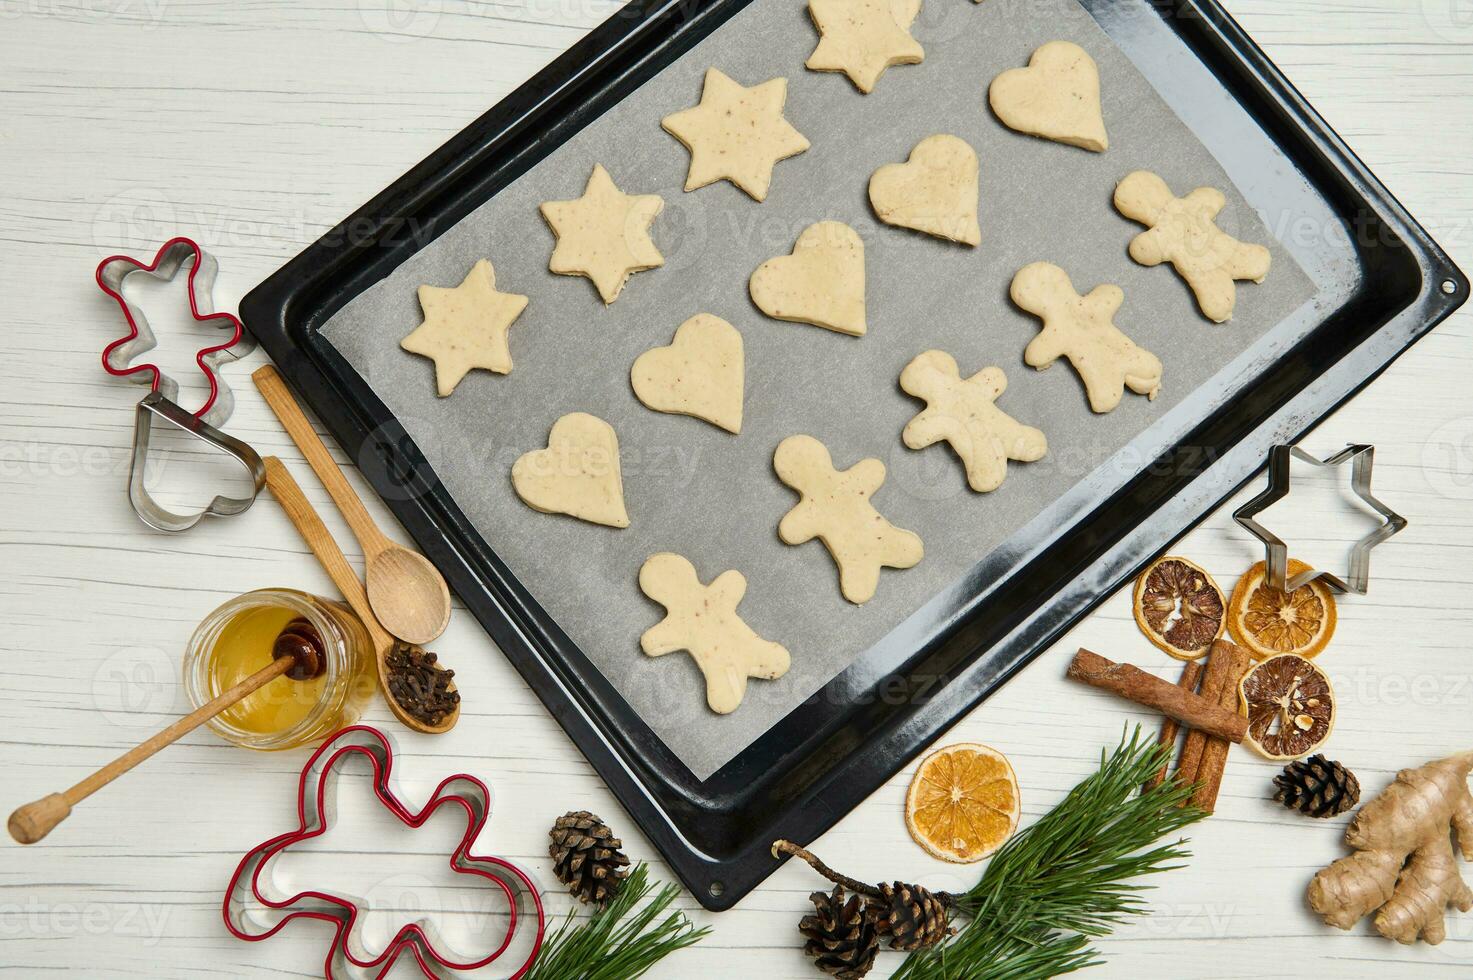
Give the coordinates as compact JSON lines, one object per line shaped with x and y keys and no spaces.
{"x":236,"y":640}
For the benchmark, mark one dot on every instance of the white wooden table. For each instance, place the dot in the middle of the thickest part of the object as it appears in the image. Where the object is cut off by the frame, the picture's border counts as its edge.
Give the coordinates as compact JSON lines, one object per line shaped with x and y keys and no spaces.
{"x":254,"y":127}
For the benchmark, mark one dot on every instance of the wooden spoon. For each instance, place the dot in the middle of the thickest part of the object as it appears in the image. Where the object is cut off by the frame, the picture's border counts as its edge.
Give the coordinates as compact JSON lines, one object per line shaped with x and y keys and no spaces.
{"x":286,"y":491}
{"x":407,"y":593}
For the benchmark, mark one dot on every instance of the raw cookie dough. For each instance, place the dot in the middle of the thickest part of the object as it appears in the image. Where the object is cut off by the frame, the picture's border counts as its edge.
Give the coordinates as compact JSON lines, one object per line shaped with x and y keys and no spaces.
{"x":861,"y":38}
{"x":821,"y":283}
{"x":1184,"y":232}
{"x":604,"y":235}
{"x":703,"y":620}
{"x":736,"y":133}
{"x":934,"y":191}
{"x":577,"y":474}
{"x":699,"y":374}
{"x":1082,"y":328}
{"x":465,"y":327}
{"x":835,"y":508}
{"x":961,"y":411}
{"x":1056,"y":97}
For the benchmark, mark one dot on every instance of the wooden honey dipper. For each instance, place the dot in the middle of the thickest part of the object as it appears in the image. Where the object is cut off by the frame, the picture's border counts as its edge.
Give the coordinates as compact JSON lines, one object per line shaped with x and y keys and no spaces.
{"x":298,"y":653}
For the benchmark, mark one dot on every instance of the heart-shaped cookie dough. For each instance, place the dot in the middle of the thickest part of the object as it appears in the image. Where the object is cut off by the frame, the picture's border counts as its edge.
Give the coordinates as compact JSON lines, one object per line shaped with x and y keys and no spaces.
{"x":935,"y":191}
{"x":701,"y":373}
{"x":1056,"y":97}
{"x":821,"y":283}
{"x":577,"y":474}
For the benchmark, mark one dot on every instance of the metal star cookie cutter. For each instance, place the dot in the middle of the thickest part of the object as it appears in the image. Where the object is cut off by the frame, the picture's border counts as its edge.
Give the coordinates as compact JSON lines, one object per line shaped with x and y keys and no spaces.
{"x":1280,"y":461}
{"x":162,"y":400}
{"x":255,"y":908}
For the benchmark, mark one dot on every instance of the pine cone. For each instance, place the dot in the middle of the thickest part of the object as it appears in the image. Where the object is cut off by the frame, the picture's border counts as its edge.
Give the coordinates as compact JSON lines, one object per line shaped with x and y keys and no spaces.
{"x":586,"y":857}
{"x":841,"y":934}
{"x":1317,"y":787}
{"x":911,"y":916}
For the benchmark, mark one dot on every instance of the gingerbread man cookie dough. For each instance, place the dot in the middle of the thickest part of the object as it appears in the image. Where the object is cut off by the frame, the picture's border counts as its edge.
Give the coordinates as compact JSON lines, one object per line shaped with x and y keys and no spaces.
{"x":736,"y":133}
{"x":835,"y":508}
{"x":1184,"y":232}
{"x":465,"y":327}
{"x":703,"y":620}
{"x":961,"y":412}
{"x":861,"y":38}
{"x":604,"y":235}
{"x":1082,"y":328}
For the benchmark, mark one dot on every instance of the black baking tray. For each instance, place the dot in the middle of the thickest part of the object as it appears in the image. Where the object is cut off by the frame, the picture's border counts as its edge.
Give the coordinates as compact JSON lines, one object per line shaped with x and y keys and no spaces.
{"x":845,"y":741}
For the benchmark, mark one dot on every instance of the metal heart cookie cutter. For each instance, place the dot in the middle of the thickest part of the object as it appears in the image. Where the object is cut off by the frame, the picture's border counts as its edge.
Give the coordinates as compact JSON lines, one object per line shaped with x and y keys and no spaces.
{"x":162,"y":400}
{"x":256,"y":909}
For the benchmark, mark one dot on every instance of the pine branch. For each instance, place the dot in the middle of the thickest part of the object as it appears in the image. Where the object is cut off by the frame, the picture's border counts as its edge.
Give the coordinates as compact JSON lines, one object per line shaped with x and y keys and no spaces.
{"x":1014,"y":959}
{"x":620,"y":941}
{"x":1070,"y":876}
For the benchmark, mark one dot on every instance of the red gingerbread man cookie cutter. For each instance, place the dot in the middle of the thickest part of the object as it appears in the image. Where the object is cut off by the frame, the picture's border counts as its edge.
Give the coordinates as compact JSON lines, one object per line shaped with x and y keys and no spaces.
{"x":254,"y":909}
{"x":117,"y":357}
{"x":161,"y":403}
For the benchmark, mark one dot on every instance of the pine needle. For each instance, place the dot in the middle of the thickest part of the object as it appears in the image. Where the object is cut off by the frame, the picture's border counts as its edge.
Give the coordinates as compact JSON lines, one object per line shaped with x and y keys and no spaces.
{"x":1016,"y":960}
{"x":620,"y":941}
{"x":1069,"y":877}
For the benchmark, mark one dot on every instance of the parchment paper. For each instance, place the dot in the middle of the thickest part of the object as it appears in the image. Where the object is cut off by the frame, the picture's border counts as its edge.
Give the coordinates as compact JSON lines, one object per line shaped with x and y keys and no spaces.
{"x":712,"y":496}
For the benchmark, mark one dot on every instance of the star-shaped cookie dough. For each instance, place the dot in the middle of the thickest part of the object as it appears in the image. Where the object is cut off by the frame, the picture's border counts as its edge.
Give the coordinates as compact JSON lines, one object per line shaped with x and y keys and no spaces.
{"x":604,"y":235}
{"x":861,"y":38}
{"x":736,"y":133}
{"x":465,"y":327}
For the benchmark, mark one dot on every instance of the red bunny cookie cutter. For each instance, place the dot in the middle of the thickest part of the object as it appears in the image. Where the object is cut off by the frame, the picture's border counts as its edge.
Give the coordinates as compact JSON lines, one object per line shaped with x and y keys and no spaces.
{"x":255,"y":910}
{"x":162,"y":400}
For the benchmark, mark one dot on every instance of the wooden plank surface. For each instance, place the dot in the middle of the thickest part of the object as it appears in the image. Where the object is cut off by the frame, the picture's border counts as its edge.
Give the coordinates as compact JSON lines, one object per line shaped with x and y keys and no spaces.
{"x":254,"y":126}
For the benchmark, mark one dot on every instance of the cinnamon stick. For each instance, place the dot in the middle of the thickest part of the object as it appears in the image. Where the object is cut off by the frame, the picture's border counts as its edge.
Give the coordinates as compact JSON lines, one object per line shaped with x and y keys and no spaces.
{"x":1191,"y":673}
{"x":1213,"y":761}
{"x":1213,"y":679}
{"x":1132,"y":683}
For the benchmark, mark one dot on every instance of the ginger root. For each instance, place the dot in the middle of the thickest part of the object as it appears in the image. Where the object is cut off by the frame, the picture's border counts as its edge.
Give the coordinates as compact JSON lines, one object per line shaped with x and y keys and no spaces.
{"x":1403,"y":862}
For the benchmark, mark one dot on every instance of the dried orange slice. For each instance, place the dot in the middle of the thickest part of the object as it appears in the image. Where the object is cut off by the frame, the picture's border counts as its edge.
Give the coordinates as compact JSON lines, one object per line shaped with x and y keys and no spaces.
{"x":963,"y":802}
{"x":1290,"y":707}
{"x":1179,"y":607}
{"x":1267,"y":621}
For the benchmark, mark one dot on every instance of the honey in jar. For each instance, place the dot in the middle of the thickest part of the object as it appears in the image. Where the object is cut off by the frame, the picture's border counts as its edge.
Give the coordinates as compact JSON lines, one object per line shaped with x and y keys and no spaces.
{"x":236,"y":640}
